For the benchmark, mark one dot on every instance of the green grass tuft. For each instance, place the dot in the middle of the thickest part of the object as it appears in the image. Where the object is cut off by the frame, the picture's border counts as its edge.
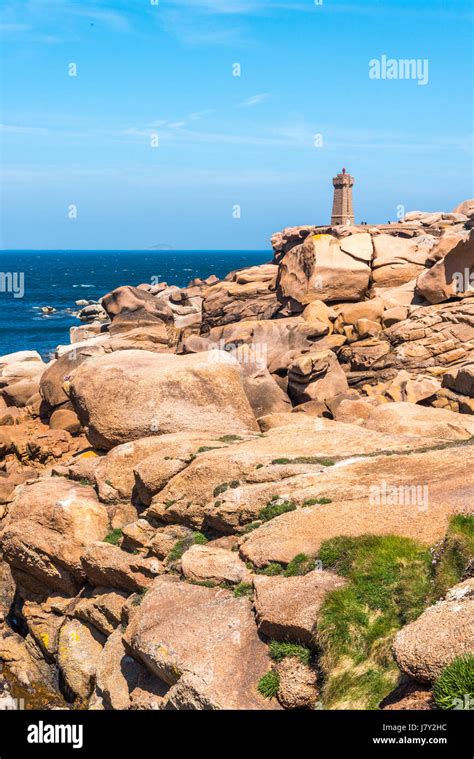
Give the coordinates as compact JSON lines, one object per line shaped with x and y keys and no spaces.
{"x":300,"y":565}
{"x":243,"y":590}
{"x":389,"y":584}
{"x":454,"y":688}
{"x":114,"y":537}
{"x":269,"y":683}
{"x":271,"y":570}
{"x":196,"y":538}
{"x":229,"y":438}
{"x":316,"y":501}
{"x":456,"y":556}
{"x":274,"y":509}
{"x":280,"y":650}
{"x":322,"y":460}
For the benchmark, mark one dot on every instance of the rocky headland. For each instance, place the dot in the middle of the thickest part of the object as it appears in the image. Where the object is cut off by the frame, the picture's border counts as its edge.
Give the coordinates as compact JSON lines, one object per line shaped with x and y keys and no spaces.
{"x":254,"y":493}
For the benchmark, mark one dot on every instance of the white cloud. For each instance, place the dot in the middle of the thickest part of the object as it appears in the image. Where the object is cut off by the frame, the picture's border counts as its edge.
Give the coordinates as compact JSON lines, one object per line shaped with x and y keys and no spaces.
{"x":254,"y":100}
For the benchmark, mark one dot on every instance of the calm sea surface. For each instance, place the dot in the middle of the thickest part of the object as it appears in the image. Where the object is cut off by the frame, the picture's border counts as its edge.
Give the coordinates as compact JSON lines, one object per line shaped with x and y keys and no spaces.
{"x":60,"y":278}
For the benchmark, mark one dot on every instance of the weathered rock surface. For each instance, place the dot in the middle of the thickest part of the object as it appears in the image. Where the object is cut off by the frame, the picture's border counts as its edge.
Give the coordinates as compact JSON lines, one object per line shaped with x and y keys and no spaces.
{"x":122,"y":682}
{"x":106,"y":564}
{"x":287,"y":607}
{"x":80,"y":646}
{"x":48,"y":526}
{"x":412,"y":495}
{"x":132,"y":394}
{"x":227,"y":488}
{"x":444,"y":631}
{"x":213,"y":565}
{"x":327,"y":269}
{"x":410,"y":419}
{"x":452,"y":275}
{"x":298,"y":688}
{"x":102,"y":609}
{"x":397,"y":260}
{"x":316,"y":377}
{"x":205,"y":637}
{"x":248,"y":294}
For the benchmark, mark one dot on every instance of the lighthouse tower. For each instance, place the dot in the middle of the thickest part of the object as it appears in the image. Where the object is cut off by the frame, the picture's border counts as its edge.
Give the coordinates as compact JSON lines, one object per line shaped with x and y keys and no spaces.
{"x":342,"y":211}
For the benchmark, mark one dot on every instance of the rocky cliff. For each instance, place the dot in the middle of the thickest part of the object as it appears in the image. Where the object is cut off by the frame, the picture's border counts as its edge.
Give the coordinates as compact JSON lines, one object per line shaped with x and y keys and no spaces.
{"x":252,"y":493}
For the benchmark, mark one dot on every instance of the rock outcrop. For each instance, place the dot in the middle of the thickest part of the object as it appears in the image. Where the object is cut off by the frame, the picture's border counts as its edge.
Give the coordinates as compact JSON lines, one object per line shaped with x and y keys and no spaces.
{"x":188,"y":489}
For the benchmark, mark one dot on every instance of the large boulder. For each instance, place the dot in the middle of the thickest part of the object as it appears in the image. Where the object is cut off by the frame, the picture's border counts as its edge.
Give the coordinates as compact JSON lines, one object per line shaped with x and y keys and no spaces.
{"x":141,"y":467}
{"x":54,"y":386}
{"x":213,"y":565}
{"x":461,"y":380}
{"x":444,"y":631}
{"x":466,"y":208}
{"x":269,"y":342}
{"x":398,"y":260}
{"x":316,"y":377}
{"x":101,"y":608}
{"x":245,"y":294}
{"x":452,"y":275}
{"x":80,"y":646}
{"x":201,"y":639}
{"x":133,"y":394}
{"x":107,"y":565}
{"x":287,"y":607}
{"x":124,"y":683}
{"x":48,"y":526}
{"x":298,"y":684}
{"x":327,"y":269}
{"x":131,"y":307}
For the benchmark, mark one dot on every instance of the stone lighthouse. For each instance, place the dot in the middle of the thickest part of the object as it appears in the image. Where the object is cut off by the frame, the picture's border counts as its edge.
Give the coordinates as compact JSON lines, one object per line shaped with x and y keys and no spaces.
{"x":342,"y":211}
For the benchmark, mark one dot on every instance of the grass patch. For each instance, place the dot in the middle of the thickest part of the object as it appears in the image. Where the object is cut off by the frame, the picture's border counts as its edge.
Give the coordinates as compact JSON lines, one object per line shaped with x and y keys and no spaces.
{"x":300,"y":565}
{"x":268,"y":684}
{"x":250,"y":527}
{"x":243,"y":590}
{"x":280,"y":650}
{"x":389,"y":584}
{"x":205,"y":448}
{"x":114,"y":537}
{"x":457,"y":553}
{"x":274,"y":509}
{"x":454,"y":688}
{"x":196,"y":538}
{"x":229,"y":438}
{"x":139,"y":597}
{"x":316,"y":501}
{"x":323,"y":461}
{"x":271,"y":570}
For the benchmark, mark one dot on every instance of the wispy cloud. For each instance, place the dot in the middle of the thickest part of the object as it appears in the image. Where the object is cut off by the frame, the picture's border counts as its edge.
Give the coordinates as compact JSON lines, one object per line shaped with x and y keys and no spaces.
{"x":294,"y":135}
{"x":254,"y":100}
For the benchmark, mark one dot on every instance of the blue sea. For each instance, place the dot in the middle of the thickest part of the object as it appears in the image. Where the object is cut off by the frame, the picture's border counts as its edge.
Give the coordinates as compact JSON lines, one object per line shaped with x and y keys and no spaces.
{"x":60,"y":278}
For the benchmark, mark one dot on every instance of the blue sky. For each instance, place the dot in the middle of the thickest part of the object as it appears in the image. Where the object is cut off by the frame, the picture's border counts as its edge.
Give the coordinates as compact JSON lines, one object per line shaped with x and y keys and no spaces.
{"x":166,"y":69}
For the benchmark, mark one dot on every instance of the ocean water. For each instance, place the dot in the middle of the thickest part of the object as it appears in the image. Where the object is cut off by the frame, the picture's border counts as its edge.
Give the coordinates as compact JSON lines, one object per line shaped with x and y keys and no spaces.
{"x":59,"y":278}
